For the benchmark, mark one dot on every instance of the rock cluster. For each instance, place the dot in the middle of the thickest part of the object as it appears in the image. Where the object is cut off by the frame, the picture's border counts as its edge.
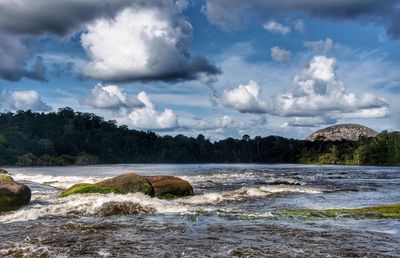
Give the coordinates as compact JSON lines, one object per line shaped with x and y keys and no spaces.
{"x":155,"y":186}
{"x":349,"y":132}
{"x":12,"y":194}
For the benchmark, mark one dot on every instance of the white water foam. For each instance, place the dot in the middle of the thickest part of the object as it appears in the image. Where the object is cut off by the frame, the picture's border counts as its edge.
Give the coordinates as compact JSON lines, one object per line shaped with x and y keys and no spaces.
{"x":61,"y":182}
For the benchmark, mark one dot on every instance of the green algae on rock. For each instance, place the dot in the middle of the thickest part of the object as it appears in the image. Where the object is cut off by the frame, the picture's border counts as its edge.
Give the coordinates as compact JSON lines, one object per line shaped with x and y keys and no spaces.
{"x":129,"y":183}
{"x":6,"y":178}
{"x":88,"y":188}
{"x":391,"y":211}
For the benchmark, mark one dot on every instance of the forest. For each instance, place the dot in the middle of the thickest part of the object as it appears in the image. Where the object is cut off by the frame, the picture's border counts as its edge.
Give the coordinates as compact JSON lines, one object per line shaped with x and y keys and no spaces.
{"x":67,"y":137}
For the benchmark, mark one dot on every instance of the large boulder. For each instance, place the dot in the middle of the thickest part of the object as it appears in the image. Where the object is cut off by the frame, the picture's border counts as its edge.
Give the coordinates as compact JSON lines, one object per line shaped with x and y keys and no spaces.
{"x":129,"y":183}
{"x":159,"y":186}
{"x":3,"y":171}
{"x":170,"y":186}
{"x":12,"y":194}
{"x":123,"y":184}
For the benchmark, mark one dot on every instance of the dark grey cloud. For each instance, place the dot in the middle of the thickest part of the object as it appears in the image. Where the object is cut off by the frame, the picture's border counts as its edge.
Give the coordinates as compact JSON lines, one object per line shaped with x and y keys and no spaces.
{"x":232,"y":14}
{"x":54,"y":16}
{"x":14,"y":54}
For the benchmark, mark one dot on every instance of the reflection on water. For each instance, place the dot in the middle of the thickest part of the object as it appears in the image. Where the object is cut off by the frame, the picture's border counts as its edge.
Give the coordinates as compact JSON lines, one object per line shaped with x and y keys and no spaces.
{"x":232,"y":213}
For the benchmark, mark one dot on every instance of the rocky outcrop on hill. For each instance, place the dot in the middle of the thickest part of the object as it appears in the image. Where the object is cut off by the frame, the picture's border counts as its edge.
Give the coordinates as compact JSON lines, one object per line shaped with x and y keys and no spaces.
{"x":350,"y":132}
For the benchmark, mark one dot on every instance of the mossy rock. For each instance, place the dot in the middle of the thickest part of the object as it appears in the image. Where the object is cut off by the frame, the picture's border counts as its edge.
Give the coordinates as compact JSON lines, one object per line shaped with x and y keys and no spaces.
{"x":391,"y":211}
{"x":123,"y":184}
{"x":170,"y":187}
{"x":88,"y":188}
{"x":6,"y":178}
{"x":13,"y":195}
{"x":129,"y":183}
{"x":164,"y":187}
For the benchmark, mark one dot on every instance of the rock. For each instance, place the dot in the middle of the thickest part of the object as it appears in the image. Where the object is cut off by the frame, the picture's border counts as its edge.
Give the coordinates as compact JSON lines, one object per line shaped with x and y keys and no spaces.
{"x":349,"y":132}
{"x":87,"y":188}
{"x":160,"y":186}
{"x":13,"y":195}
{"x":3,"y":171}
{"x":123,"y":208}
{"x":123,"y":184}
{"x":129,"y":183}
{"x":170,"y":186}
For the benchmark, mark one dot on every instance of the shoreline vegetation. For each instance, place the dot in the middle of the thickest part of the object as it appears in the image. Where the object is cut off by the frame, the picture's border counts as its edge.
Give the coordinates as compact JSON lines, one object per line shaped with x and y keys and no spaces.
{"x":74,"y":138}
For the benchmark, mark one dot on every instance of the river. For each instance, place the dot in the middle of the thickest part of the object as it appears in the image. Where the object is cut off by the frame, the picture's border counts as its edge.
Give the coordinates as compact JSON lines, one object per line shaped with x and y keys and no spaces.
{"x":233,"y":213}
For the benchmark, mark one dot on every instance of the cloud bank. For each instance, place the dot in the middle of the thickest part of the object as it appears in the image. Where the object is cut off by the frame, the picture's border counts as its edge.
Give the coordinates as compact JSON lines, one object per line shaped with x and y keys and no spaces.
{"x":317,"y":96}
{"x":232,"y":14}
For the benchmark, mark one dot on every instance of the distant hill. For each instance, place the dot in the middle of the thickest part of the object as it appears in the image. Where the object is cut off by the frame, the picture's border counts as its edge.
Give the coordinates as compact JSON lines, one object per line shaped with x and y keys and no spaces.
{"x":349,"y":132}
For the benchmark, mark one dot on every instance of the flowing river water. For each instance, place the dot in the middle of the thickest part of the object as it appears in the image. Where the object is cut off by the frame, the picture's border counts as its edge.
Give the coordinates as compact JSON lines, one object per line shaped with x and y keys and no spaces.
{"x":233,"y":213}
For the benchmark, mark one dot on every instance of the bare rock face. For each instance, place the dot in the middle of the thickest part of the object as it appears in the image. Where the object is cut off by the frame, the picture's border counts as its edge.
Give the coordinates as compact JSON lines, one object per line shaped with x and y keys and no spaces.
{"x":350,"y":132}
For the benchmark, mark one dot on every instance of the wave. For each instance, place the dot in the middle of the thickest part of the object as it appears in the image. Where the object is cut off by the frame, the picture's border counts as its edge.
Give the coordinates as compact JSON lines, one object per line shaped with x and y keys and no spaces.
{"x":61,"y":182}
{"x":48,"y":204}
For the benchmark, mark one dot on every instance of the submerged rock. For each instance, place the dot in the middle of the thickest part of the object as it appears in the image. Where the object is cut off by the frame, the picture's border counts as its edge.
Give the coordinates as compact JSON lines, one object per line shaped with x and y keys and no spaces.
{"x":170,"y":186}
{"x":123,"y":208}
{"x":3,"y":171}
{"x":12,"y":194}
{"x":159,"y":186}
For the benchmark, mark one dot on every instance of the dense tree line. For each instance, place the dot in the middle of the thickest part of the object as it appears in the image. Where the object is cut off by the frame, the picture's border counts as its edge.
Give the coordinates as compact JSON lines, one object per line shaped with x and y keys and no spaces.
{"x":68,"y":137}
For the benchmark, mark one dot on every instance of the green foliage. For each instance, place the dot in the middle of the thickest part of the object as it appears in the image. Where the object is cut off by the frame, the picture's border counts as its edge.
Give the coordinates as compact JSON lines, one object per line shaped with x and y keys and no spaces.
{"x":377,"y":212}
{"x":67,"y":137}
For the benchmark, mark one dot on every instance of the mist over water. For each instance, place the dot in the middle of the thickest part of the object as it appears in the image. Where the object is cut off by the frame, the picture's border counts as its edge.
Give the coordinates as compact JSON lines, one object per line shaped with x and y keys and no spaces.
{"x":233,"y":213}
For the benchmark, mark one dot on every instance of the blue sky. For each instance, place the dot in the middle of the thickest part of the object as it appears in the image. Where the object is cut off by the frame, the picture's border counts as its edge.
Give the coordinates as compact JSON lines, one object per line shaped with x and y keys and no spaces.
{"x":222,"y":68}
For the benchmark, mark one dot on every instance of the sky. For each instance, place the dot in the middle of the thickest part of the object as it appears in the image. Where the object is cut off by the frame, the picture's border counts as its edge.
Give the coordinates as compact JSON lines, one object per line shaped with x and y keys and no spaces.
{"x":221,"y":68}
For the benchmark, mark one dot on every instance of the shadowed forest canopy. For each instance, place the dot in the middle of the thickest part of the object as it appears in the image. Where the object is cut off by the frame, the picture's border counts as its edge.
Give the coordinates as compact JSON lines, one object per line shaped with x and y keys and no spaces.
{"x":67,"y":137}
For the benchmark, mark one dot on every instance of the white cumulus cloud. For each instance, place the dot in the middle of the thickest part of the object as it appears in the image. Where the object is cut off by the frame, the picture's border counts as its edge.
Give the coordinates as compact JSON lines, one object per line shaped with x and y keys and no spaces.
{"x":318,"y":92}
{"x":280,"y":54}
{"x":111,"y":97}
{"x":148,"y":117}
{"x":23,"y":100}
{"x":143,"y":43}
{"x":245,"y":98}
{"x":276,"y":27}
{"x":317,"y":97}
